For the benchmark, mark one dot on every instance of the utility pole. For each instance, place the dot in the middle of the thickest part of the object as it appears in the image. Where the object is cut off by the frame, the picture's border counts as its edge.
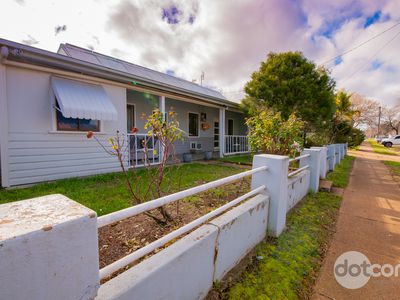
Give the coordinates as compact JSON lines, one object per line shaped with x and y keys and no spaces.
{"x":379,"y":120}
{"x":202,"y":78}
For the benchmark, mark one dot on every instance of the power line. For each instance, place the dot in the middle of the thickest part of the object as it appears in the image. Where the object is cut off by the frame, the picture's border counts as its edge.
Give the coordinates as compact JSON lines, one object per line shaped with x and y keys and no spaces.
{"x":362,"y":44}
{"x":371,"y":57}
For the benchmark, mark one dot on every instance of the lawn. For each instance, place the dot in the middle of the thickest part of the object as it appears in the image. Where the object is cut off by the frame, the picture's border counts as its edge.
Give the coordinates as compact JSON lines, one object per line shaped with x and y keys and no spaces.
{"x":107,"y":193}
{"x":394,"y":168}
{"x":340,"y":177}
{"x":291,"y":262}
{"x":380,"y":149}
{"x":239,"y":159}
{"x":288,"y":266}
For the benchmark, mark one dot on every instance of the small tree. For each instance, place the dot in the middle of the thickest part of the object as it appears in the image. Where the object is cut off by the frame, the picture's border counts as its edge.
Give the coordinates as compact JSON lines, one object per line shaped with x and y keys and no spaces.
{"x":270,"y":133}
{"x":166,"y":133}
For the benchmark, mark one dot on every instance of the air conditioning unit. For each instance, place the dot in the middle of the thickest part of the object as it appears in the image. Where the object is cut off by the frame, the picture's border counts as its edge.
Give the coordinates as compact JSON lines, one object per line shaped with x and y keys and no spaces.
{"x":195,"y":146}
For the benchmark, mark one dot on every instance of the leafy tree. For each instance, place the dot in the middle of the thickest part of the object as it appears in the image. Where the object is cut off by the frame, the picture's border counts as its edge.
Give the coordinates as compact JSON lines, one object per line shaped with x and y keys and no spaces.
{"x":289,"y":83}
{"x":270,"y":133}
{"x":342,"y":122}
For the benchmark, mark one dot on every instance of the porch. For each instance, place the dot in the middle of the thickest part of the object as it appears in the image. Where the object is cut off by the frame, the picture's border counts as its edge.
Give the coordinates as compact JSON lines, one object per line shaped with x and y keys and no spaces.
{"x":199,"y":121}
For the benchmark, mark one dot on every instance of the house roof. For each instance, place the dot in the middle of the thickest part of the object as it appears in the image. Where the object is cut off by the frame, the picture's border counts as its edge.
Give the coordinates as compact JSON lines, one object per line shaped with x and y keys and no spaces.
{"x":136,"y":70}
{"x":84,"y":61}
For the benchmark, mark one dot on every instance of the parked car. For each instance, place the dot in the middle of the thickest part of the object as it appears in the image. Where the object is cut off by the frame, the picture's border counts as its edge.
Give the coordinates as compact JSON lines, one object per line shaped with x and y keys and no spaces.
{"x":389,"y":142}
{"x":380,"y":138}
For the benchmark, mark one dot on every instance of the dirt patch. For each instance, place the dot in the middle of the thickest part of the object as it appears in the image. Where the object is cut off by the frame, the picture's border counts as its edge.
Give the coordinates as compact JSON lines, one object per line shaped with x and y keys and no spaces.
{"x":122,"y":238}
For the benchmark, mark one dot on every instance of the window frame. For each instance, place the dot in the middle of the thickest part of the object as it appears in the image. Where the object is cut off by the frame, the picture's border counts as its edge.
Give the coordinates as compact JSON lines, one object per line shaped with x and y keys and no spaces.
{"x":198,"y":124}
{"x":214,"y":134}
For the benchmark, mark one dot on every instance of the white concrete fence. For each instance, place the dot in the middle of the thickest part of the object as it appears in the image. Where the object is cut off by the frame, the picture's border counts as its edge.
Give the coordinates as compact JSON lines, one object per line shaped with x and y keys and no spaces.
{"x":49,"y":245}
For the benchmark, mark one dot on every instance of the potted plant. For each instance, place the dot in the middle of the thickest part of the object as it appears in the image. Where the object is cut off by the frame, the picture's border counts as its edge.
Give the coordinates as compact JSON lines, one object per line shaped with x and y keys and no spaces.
{"x":187,"y":157}
{"x":208,"y":155}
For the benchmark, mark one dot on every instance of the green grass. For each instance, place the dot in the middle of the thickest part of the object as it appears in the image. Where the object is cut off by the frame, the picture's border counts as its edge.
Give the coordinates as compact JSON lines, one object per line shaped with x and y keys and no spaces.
{"x":380,"y":149}
{"x":340,"y":177}
{"x":239,"y":159}
{"x":394,"y":167}
{"x":291,"y":262}
{"x":107,"y":193}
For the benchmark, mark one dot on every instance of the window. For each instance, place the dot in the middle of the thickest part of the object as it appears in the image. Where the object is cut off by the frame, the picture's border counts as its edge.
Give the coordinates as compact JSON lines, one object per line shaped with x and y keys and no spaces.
{"x":230,"y":126}
{"x":130,"y":117}
{"x":194,"y":124}
{"x":216,"y":134}
{"x":75,"y":124}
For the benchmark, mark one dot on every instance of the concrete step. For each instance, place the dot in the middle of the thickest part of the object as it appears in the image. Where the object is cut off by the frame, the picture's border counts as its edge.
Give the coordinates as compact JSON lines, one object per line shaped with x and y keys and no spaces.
{"x":325,"y":185}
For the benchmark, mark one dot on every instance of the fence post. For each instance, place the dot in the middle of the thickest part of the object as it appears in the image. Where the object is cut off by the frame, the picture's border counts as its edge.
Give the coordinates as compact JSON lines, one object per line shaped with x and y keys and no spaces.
{"x":314,"y":166}
{"x":337,"y":154}
{"x":323,"y":165}
{"x":49,"y":250}
{"x":276,"y":181}
{"x":332,"y":157}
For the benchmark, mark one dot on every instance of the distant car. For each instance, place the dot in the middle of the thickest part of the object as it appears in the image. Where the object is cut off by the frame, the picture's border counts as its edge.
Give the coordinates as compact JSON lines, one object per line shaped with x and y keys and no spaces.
{"x":389,"y":142}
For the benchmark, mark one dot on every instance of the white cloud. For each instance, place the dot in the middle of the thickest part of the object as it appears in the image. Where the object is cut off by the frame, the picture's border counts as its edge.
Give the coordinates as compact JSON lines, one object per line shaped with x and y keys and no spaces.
{"x":225,"y":39}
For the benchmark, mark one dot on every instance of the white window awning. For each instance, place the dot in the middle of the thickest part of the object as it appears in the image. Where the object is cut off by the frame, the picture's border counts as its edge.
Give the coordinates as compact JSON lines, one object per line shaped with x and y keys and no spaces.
{"x":83,"y":100}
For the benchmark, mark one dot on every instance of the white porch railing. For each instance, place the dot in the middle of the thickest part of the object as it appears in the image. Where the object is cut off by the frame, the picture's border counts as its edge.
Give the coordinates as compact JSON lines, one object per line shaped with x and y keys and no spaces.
{"x":235,"y":144}
{"x":139,"y":154}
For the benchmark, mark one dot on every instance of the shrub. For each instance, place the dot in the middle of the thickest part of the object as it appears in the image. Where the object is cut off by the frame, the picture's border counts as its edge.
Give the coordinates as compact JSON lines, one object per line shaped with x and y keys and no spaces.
{"x":270,"y":133}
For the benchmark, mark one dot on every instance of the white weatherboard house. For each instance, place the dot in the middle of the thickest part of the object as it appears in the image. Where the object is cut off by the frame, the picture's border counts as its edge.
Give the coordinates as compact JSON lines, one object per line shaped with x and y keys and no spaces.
{"x":48,"y":101}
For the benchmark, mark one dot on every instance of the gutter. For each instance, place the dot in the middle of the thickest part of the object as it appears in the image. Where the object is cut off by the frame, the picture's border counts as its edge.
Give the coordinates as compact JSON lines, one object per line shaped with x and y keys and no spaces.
{"x":35,"y":56}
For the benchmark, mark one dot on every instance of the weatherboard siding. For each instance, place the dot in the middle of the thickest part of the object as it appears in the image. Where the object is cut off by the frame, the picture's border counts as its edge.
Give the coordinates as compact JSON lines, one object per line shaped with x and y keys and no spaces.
{"x":35,"y":152}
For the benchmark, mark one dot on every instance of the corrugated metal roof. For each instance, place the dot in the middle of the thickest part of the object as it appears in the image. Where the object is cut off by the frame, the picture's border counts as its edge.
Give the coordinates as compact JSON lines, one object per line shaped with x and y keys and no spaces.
{"x":83,"y":100}
{"x":137,"y":71}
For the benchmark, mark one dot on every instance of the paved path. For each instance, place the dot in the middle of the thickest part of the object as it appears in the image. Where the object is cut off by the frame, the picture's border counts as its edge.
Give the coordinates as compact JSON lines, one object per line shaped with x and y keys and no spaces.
{"x":369,"y":222}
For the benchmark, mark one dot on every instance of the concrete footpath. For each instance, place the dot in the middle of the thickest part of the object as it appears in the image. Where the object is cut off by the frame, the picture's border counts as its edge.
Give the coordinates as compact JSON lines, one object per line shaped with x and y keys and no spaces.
{"x":369,"y":222}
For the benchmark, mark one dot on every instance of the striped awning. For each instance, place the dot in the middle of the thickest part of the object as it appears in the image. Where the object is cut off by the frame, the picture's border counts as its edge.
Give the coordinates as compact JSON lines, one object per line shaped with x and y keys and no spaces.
{"x":83,"y":100}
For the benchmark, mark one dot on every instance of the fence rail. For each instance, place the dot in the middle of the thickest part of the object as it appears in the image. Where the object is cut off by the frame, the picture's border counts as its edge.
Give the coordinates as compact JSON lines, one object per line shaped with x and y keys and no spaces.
{"x":235,"y":144}
{"x":299,"y":157}
{"x":150,"y":205}
{"x":147,"y":206}
{"x":126,"y":260}
{"x":298,"y":171}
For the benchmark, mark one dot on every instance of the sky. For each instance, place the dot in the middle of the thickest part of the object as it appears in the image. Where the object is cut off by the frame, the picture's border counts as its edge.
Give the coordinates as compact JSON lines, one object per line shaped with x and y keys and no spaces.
{"x":225,"y":39}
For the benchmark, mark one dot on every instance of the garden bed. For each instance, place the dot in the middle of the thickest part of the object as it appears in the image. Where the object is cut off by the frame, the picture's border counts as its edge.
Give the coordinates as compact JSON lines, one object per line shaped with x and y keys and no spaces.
{"x":124,"y":237}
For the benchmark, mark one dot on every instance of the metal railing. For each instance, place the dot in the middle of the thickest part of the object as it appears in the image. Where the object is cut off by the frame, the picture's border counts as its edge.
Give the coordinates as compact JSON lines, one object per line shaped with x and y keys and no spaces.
{"x":299,"y":170}
{"x":143,"y":150}
{"x":235,"y":144}
{"x":150,"y":205}
{"x":299,"y":157}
